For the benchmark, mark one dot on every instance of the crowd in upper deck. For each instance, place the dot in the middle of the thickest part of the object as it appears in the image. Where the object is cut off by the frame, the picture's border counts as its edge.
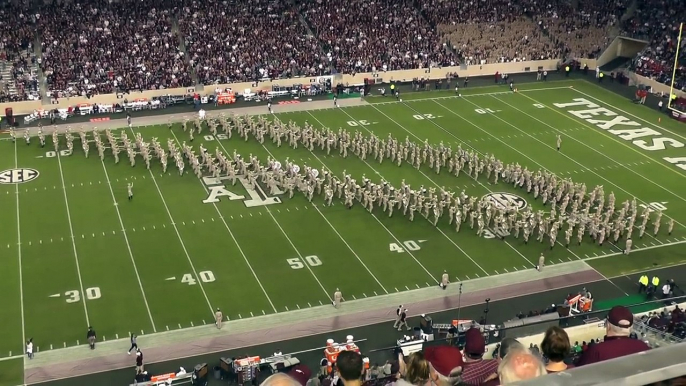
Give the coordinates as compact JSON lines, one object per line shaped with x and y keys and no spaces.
{"x":102,"y":47}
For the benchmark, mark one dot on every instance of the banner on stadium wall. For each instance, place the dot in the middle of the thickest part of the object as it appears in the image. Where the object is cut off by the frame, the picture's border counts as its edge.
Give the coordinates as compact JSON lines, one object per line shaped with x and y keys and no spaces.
{"x":322,"y":79}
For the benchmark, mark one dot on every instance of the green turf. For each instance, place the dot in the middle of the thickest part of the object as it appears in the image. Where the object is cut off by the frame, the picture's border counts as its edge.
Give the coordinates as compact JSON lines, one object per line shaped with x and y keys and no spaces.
{"x":12,"y":372}
{"x":165,"y":260}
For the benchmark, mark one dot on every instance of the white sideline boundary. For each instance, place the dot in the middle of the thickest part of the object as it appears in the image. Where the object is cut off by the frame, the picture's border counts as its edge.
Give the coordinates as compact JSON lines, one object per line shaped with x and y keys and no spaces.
{"x":455,"y":97}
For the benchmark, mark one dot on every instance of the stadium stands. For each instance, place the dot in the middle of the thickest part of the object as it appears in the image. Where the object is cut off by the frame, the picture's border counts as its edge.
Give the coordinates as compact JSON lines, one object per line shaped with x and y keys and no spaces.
{"x":385,"y":35}
{"x":235,"y":44}
{"x":583,"y":31}
{"x":516,"y":40}
{"x":17,"y":80}
{"x":658,"y":23}
{"x":102,"y":46}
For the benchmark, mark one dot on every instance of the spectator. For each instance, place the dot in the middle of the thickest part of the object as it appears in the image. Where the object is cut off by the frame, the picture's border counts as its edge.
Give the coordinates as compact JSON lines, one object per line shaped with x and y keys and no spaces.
{"x":349,"y":365}
{"x":556,"y":348}
{"x":476,"y":369}
{"x":383,"y":35}
{"x":418,"y":372}
{"x":446,"y":361}
{"x":280,"y":379}
{"x":520,"y":365}
{"x":617,"y":342}
{"x":506,"y":345}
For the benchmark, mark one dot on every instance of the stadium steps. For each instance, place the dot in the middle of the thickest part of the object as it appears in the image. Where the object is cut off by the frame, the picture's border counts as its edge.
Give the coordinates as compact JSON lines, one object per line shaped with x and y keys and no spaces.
{"x":630,"y":10}
{"x":6,"y":72}
{"x":182,"y":47}
{"x":615,"y":63}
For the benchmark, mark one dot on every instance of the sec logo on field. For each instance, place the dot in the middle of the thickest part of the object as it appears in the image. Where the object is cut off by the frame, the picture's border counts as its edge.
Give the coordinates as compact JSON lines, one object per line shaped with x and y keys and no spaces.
{"x":18,"y":176}
{"x":505,"y":200}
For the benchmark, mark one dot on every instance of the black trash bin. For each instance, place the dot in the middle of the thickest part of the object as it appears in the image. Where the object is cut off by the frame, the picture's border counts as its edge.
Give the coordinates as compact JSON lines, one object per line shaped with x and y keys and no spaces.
{"x":217,"y":372}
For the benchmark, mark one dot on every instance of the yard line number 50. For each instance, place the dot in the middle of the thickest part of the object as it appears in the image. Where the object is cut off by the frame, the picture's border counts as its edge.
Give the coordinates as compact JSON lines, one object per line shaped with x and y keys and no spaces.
{"x":298,"y":263}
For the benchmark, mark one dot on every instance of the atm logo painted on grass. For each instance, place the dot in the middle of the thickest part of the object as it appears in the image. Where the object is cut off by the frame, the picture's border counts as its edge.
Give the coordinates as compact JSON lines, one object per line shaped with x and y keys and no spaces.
{"x":18,"y":176}
{"x":217,"y":189}
{"x":505,"y":200}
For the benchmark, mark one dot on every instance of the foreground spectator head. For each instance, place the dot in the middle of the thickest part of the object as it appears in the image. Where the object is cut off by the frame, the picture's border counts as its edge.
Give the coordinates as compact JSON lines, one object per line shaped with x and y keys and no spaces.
{"x":280,"y":379}
{"x":520,"y":365}
{"x":619,"y":321}
{"x":556,"y":347}
{"x":475,"y":345}
{"x":350,"y":366}
{"x":617,"y":341}
{"x":418,"y":371}
{"x":477,"y":370}
{"x":507,"y":345}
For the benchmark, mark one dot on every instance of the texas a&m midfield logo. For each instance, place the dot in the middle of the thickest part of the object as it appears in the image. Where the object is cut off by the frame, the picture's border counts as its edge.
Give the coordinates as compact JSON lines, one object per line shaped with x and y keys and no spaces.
{"x":257,"y":197}
{"x":505,"y":200}
{"x":18,"y":176}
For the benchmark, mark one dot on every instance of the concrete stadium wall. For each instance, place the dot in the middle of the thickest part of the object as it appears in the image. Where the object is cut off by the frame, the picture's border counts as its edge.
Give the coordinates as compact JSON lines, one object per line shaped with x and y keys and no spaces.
{"x":655,"y":85}
{"x":28,"y":107}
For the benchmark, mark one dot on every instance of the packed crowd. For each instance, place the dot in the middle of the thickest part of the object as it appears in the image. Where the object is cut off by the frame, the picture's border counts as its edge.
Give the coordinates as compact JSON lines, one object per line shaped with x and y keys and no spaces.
{"x":383,"y":35}
{"x":16,"y":46}
{"x":512,"y":361}
{"x":105,"y":47}
{"x":581,"y":31}
{"x":249,"y":41}
{"x":673,"y":323}
{"x":494,"y":42}
{"x":658,"y":23}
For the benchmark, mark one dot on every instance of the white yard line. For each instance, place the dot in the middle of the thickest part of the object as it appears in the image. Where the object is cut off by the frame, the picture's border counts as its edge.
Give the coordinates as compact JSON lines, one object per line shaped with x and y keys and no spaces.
{"x":433,"y":182}
{"x":633,"y":250}
{"x":128,"y":246}
{"x":465,"y":95}
{"x":594,"y":149}
{"x":21,"y":275}
{"x":379,"y":221}
{"x":327,"y":220}
{"x":245,"y":258}
{"x":300,"y":255}
{"x":178,"y":234}
{"x":537,"y":140}
{"x":73,"y":239}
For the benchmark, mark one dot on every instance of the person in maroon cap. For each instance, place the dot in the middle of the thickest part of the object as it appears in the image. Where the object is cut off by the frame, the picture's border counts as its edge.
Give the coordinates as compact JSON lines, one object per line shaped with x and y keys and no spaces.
{"x":477,"y":370}
{"x":617,"y":341}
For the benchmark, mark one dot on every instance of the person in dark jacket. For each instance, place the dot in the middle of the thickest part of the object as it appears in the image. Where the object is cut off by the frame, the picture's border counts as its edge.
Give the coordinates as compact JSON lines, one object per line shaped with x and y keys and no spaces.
{"x":617,"y":342}
{"x":91,"y":337}
{"x":139,"y":360}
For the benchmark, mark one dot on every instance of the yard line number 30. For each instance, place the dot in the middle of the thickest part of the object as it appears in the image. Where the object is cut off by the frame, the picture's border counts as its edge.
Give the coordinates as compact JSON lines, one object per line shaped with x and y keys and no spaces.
{"x":74,"y":296}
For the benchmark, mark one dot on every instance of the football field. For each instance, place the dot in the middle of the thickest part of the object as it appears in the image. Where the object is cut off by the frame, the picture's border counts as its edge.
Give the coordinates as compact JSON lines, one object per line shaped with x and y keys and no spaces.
{"x":75,"y":252}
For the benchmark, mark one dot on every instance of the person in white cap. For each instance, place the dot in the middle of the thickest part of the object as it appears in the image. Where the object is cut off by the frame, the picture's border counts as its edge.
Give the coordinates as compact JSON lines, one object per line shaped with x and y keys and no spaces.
{"x":541,"y":263}
{"x":337,"y":298}
{"x":445,"y":279}
{"x":218,"y":318}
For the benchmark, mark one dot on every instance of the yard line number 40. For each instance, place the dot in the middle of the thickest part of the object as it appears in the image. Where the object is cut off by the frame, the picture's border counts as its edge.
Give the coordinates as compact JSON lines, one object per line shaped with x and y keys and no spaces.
{"x":204,"y":276}
{"x":409,"y":245}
